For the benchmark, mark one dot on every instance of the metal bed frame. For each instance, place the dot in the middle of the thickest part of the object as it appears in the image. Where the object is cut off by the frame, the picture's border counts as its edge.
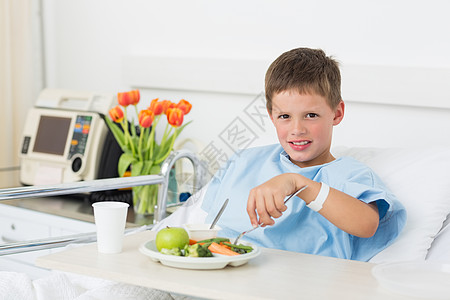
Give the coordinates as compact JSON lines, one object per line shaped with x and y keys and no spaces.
{"x":100,"y":185}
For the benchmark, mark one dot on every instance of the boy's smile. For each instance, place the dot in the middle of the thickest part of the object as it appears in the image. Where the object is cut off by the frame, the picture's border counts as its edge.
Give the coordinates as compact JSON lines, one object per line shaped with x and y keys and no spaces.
{"x":304,"y":125}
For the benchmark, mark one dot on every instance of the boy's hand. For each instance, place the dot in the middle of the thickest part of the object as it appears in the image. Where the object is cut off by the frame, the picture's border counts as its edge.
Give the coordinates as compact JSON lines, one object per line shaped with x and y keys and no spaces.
{"x":266,"y":201}
{"x":352,"y":215}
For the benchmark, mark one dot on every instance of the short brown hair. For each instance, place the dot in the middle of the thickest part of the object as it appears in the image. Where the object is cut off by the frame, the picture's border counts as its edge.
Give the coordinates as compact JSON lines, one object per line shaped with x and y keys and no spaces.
{"x":306,"y":71}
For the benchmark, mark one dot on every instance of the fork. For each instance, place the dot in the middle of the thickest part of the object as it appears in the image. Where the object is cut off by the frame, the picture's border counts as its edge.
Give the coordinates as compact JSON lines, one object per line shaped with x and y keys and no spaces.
{"x":253,"y":228}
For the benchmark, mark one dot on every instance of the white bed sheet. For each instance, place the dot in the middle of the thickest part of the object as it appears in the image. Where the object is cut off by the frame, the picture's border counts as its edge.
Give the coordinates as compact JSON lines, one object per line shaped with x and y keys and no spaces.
{"x":419,"y":179}
{"x":67,"y":286}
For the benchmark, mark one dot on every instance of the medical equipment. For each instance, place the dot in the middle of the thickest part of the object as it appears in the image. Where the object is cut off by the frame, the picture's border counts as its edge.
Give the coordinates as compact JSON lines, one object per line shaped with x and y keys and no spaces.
{"x":65,"y":139}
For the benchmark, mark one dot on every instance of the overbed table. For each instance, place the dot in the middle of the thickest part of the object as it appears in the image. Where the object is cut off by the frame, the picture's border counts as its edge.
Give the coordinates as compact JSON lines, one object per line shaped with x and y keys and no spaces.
{"x":274,"y":274}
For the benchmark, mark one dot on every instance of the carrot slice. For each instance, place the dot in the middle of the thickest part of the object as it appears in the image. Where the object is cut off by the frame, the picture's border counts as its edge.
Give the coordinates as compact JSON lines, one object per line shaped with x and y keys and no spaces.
{"x":225,"y":246}
{"x":192,"y":242}
{"x":216,"y":248}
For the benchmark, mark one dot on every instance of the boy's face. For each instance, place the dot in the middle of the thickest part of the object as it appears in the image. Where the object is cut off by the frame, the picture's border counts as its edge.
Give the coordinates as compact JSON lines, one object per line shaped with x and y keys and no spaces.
{"x":304,"y":125}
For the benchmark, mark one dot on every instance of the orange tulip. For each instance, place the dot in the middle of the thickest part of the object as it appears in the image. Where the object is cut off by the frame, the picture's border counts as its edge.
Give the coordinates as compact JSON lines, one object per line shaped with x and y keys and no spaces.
{"x":167,"y":104}
{"x":116,"y":114}
{"x":135,"y":97}
{"x":146,"y":117}
{"x":185,"y":106}
{"x":127,"y":98}
{"x":175,"y":116}
{"x":157,"y":107}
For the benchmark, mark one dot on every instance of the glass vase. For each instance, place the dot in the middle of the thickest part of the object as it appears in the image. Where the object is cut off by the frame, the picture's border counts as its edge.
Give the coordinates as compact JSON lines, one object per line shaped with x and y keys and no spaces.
{"x":145,"y":198}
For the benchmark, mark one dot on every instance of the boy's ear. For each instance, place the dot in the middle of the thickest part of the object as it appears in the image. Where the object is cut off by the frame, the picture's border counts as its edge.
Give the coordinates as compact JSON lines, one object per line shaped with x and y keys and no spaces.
{"x":339,"y":113}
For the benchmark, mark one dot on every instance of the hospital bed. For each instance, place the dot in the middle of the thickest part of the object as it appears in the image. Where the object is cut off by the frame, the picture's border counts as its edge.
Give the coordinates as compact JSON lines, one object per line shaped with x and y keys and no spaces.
{"x":413,"y":159}
{"x":426,"y":236}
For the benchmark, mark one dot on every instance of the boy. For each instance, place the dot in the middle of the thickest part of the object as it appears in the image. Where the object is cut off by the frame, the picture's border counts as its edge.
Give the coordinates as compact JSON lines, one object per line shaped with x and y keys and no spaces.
{"x":345,"y":212}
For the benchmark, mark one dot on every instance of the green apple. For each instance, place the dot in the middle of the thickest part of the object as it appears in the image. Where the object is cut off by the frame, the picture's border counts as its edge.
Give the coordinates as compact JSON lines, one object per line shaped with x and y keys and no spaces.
{"x":172,"y":237}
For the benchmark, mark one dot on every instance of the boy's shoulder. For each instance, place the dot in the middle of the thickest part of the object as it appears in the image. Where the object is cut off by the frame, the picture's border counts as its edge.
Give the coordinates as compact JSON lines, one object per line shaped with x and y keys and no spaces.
{"x":348,"y":160}
{"x":345,"y":169}
{"x":348,"y":164}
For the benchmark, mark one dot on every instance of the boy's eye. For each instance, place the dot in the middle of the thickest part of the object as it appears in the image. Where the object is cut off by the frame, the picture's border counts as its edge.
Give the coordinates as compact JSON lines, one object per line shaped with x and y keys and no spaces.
{"x":284,"y":116}
{"x":311,"y":116}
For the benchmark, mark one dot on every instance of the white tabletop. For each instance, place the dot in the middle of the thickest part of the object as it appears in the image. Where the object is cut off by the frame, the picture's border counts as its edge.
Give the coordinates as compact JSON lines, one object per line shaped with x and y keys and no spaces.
{"x":274,"y":274}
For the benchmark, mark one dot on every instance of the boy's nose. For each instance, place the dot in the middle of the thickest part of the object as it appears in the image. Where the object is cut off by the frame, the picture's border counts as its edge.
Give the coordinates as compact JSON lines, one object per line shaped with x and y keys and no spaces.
{"x":298,"y":128}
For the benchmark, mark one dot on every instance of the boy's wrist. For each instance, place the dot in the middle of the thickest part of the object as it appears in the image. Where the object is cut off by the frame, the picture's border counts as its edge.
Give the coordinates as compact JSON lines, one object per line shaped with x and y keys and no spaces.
{"x":317,"y":203}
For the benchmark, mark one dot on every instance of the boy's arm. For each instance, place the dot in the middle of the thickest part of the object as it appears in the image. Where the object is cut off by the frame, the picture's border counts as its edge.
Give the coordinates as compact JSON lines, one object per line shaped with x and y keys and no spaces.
{"x":355,"y":217}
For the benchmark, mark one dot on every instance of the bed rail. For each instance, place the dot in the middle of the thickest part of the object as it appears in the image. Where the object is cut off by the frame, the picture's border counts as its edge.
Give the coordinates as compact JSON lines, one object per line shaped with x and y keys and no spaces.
{"x":55,"y":242}
{"x":78,"y":187}
{"x":100,"y":185}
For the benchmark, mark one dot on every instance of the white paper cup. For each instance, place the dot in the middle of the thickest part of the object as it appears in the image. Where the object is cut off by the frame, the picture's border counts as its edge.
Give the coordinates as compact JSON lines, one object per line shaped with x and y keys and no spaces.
{"x":110,"y":218}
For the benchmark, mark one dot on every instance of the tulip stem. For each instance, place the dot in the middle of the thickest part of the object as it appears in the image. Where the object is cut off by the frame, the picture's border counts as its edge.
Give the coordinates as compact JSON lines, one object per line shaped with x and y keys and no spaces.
{"x":127,"y":133}
{"x":140,"y":144}
{"x":151,"y":139}
{"x":172,"y":142}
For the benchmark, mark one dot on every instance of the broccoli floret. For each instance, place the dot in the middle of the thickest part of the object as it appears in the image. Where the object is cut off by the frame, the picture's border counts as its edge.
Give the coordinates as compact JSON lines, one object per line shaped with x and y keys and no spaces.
{"x":173,"y":251}
{"x":186,"y":250}
{"x":197,"y":250}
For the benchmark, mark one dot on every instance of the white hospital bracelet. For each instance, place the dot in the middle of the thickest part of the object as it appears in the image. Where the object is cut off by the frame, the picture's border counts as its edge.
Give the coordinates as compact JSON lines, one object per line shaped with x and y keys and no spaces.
{"x":317,"y":203}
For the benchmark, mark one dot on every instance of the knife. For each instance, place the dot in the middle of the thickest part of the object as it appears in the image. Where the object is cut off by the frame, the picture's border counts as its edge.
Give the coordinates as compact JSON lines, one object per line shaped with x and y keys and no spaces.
{"x":219,"y":214}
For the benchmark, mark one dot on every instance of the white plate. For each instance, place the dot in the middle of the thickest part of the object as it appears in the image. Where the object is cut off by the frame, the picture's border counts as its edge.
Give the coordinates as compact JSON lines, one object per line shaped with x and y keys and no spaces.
{"x":417,"y":279}
{"x":198,"y":263}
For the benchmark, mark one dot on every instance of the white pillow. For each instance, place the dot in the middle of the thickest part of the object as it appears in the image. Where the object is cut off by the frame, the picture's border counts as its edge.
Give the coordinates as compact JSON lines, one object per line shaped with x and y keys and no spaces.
{"x":440,"y":248}
{"x":420,"y":180}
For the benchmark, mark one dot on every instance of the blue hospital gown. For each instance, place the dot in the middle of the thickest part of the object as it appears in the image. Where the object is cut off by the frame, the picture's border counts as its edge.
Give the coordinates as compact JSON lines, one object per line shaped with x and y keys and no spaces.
{"x":301,"y":229}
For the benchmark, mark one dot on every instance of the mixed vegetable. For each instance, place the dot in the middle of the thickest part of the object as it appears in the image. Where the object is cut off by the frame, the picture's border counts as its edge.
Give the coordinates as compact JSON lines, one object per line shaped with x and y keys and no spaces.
{"x":205,"y":248}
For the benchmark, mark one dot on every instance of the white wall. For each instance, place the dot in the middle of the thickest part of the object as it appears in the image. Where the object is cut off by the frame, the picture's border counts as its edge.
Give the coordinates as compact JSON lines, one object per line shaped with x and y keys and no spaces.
{"x":86,"y":42}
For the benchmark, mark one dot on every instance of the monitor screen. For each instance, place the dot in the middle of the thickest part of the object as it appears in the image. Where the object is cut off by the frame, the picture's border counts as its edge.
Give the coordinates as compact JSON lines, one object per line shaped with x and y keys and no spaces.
{"x":52,"y":134}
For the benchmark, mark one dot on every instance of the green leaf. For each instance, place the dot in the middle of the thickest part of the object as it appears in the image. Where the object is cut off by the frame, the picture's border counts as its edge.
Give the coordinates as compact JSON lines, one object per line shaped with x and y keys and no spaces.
{"x":136,"y":168}
{"x":156,"y":169}
{"x":125,"y":160}
{"x":182,"y":126}
{"x":147,"y":169}
{"x":135,"y":140}
{"x":116,"y":131}
{"x":133,"y":128}
{"x":145,"y":148}
{"x":166,"y":148}
{"x":128,"y":151}
{"x":156,"y":150}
